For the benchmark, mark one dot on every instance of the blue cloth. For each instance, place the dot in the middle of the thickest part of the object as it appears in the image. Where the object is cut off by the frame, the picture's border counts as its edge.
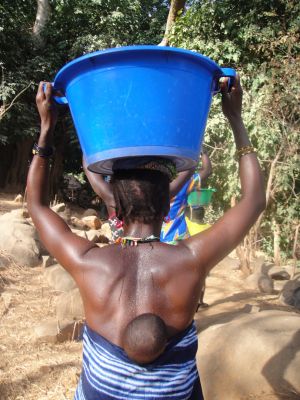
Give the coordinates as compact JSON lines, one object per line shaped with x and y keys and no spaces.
{"x":174,"y":228}
{"x":109,"y":374}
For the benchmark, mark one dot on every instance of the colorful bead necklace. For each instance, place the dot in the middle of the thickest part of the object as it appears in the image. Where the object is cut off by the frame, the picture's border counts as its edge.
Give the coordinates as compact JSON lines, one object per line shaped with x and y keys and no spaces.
{"x":128,"y":241}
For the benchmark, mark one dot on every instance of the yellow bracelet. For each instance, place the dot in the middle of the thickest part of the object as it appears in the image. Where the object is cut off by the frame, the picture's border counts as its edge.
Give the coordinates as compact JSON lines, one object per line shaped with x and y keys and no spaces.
{"x":244,"y":150}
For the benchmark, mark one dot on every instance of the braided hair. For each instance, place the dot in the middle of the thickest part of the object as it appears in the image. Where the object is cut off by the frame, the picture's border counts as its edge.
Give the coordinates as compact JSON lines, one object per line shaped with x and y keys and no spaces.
{"x":141,"y":195}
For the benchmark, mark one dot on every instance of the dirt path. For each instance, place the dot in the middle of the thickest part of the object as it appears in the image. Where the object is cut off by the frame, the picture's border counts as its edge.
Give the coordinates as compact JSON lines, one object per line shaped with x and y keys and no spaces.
{"x":227,"y":297}
{"x":33,"y":371}
{"x":50,"y":371}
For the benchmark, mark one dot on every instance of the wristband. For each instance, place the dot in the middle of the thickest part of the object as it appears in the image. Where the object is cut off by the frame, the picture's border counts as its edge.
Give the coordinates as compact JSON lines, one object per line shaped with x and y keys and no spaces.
{"x":243,"y":151}
{"x":45,"y":152}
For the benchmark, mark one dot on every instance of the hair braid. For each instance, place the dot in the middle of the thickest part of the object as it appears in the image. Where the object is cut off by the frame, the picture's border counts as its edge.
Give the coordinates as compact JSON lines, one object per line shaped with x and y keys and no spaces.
{"x":141,"y":195}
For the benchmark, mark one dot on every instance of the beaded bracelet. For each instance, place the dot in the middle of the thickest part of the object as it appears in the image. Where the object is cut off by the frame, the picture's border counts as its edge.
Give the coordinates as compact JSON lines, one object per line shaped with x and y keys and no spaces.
{"x":244,"y":150}
{"x":45,"y":152}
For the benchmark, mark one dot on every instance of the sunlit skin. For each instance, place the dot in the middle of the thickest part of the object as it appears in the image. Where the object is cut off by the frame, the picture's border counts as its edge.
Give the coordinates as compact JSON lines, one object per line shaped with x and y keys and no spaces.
{"x":119,"y":284}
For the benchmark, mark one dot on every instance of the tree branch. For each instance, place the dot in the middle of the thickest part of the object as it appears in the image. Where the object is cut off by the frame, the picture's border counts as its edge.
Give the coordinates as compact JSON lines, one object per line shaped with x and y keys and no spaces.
{"x":4,"y":110}
{"x":175,"y":7}
{"x":269,"y":185}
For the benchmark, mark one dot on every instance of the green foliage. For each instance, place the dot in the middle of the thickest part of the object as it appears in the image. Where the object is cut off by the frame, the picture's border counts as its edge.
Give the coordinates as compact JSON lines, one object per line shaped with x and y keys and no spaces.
{"x":261,"y":40}
{"x":75,"y":27}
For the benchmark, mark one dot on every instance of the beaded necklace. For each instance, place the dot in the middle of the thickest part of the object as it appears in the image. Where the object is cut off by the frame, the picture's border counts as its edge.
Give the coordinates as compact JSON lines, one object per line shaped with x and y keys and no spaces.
{"x":128,"y":241}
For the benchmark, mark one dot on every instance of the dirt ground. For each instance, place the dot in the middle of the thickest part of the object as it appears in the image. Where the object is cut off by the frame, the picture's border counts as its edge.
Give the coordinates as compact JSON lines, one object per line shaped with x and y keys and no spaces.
{"x":34,"y":371}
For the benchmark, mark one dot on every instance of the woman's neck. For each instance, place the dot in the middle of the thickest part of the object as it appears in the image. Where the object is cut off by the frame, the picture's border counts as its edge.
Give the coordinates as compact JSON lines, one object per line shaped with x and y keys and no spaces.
{"x":140,"y":230}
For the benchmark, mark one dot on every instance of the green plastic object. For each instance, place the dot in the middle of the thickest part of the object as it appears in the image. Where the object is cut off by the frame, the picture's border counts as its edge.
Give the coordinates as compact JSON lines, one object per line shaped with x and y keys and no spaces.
{"x":200,"y":197}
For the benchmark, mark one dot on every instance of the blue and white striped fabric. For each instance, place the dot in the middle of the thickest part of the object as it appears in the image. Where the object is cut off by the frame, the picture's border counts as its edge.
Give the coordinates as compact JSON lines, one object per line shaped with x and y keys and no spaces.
{"x":109,"y":374}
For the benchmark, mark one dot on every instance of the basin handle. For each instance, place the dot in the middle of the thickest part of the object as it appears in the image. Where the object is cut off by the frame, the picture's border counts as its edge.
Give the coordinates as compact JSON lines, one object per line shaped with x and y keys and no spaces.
{"x":226,"y":73}
{"x":58,"y":99}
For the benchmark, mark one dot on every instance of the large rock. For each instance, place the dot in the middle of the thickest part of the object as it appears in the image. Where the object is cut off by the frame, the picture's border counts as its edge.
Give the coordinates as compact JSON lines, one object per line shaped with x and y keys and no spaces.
{"x":59,"y":279}
{"x":69,"y":306}
{"x":259,"y":281}
{"x":90,"y":212}
{"x":258,"y":264}
{"x":78,"y":223}
{"x":92,"y":222}
{"x":58,"y":208}
{"x":48,"y":261}
{"x":254,"y":356}
{"x":92,"y":235}
{"x":278,"y":273}
{"x":19,"y":239}
{"x":18,"y":214}
{"x":65,"y":215}
{"x":106,"y":231}
{"x":19,"y":199}
{"x":290,"y":294}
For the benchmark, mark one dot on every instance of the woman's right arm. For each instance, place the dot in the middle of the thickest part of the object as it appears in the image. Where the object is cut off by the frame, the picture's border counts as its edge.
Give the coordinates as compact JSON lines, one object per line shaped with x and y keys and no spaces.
{"x":101,"y":188}
{"x":212,"y":245}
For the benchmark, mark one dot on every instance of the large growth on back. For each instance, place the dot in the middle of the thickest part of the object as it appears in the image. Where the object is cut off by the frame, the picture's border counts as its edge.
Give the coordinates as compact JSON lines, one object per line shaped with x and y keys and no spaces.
{"x":145,"y":338}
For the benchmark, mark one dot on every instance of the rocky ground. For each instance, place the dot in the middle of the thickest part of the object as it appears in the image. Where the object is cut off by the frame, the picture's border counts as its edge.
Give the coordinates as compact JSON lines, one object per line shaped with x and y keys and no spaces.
{"x":33,"y":369}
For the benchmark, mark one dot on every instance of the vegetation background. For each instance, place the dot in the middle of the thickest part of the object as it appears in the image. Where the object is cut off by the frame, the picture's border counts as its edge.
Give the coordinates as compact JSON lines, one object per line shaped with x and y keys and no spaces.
{"x":259,"y":38}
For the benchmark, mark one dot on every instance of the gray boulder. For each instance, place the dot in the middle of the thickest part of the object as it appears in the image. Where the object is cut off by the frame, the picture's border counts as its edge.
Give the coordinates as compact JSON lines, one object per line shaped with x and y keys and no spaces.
{"x":59,"y":279}
{"x":19,"y":239}
{"x":255,"y":356}
{"x":19,"y":199}
{"x":106,"y":231}
{"x":69,"y":306}
{"x":93,"y":235}
{"x":278,"y":273}
{"x":290,"y":294}
{"x":259,"y":281}
{"x":60,"y":207}
{"x":48,"y":261}
{"x":90,"y":212}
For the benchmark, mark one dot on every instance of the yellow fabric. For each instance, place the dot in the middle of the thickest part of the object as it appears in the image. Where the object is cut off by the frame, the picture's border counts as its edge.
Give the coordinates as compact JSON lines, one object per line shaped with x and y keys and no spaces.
{"x":195,"y":228}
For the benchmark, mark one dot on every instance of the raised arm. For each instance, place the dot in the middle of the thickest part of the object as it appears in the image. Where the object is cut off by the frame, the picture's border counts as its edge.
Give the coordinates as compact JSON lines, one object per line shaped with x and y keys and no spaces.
{"x":184,"y":176}
{"x":52,"y":229}
{"x":179,"y":181}
{"x":211,"y":246}
{"x":206,"y":168}
{"x":101,"y":188}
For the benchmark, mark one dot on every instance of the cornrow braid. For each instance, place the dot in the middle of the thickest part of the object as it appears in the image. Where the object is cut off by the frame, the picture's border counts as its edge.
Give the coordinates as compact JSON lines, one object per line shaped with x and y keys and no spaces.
{"x":141,"y":195}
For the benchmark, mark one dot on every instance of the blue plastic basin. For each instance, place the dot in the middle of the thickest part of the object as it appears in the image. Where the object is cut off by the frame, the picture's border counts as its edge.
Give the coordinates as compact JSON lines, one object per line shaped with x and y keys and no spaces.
{"x":140,"y":101}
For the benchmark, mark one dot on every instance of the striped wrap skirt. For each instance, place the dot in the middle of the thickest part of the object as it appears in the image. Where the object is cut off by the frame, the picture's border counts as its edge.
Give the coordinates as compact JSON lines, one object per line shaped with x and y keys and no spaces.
{"x":108,"y":373}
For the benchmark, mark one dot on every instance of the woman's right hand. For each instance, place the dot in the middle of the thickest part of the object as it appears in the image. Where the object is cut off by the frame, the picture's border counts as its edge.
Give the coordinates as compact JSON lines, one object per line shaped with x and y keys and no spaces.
{"x":46,"y":107}
{"x":232,"y":101}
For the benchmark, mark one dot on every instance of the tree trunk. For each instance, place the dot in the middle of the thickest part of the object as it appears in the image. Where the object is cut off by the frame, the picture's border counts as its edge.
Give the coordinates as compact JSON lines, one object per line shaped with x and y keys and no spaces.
{"x":14,"y":161}
{"x":296,"y":250}
{"x":41,"y":19}
{"x":256,"y":228}
{"x":243,"y":250}
{"x":277,"y":257}
{"x":175,"y":7}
